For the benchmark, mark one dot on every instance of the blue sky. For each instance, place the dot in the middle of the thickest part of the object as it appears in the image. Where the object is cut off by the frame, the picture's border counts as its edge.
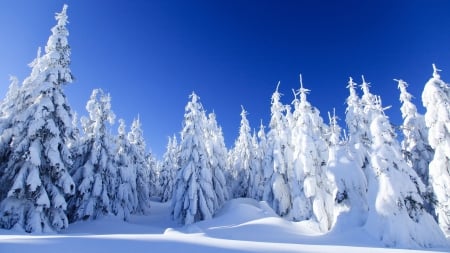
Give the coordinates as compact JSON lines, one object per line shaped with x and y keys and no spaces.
{"x":150,"y":55}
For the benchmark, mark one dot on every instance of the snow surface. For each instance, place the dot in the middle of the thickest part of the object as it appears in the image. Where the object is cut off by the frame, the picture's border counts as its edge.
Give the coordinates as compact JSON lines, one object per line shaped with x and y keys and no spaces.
{"x":242,"y":225}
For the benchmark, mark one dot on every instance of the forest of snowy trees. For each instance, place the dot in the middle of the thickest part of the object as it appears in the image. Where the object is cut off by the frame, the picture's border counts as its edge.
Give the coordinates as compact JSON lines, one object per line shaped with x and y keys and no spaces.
{"x":56,"y":169}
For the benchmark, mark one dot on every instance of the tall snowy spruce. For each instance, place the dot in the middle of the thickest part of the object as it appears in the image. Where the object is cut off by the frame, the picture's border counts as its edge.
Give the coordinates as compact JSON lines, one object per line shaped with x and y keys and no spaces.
{"x":217,"y":159}
{"x":94,"y":170}
{"x":126,"y":192}
{"x":436,"y":99}
{"x":415,"y":147}
{"x":139,"y":160}
{"x":34,"y":173}
{"x":279,"y":153}
{"x":242,"y":160}
{"x":396,"y":208}
{"x":169,"y":168}
{"x":194,"y":196}
{"x":310,"y":186}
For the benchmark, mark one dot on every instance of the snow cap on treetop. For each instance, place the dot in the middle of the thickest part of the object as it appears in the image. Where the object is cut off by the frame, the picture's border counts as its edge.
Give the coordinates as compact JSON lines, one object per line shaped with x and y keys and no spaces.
{"x":435,"y":72}
{"x":62,"y":16}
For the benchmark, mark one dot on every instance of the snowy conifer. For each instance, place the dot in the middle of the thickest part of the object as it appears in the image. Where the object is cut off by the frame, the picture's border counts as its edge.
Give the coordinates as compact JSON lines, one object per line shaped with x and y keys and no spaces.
{"x":126,"y":193}
{"x":217,"y":158}
{"x":416,"y":150}
{"x":277,"y":192}
{"x":95,"y":172}
{"x":436,"y":99}
{"x":349,"y":180}
{"x":140,"y":160}
{"x":264,"y":161}
{"x":241,"y":160}
{"x":35,"y":174}
{"x":194,"y":196}
{"x":311,"y":188}
{"x":170,"y":166}
{"x":396,"y":208}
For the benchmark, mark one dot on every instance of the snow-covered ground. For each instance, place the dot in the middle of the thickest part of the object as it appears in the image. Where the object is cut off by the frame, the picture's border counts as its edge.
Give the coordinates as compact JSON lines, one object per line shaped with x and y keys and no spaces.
{"x":242,"y":225}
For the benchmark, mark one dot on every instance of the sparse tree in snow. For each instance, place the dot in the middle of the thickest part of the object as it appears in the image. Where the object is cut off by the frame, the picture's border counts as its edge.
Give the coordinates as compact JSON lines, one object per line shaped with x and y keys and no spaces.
{"x":170,"y":166}
{"x":242,"y":160}
{"x":194,"y":196}
{"x":95,"y":172}
{"x":396,"y":208}
{"x":436,"y":99}
{"x":277,"y":192}
{"x":143,"y":165}
{"x":416,"y":150}
{"x":34,"y":174}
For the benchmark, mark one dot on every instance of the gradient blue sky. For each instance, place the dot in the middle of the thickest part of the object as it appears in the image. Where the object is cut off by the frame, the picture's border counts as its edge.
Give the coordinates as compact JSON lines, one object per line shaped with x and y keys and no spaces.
{"x":150,"y":55}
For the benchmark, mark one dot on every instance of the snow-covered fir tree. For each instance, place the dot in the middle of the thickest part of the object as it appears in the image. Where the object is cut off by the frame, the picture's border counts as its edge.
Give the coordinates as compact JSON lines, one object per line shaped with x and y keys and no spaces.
{"x":169,"y":168}
{"x":350,"y":202}
{"x":142,"y":164}
{"x":194,"y":197}
{"x":416,"y":150}
{"x":217,"y":159}
{"x":126,"y":192}
{"x":94,"y":170}
{"x":276,"y":191}
{"x":34,"y":174}
{"x":436,"y":99}
{"x":395,"y":192}
{"x":242,"y":160}
{"x":310,"y":186}
{"x":264,"y":161}
{"x":256,"y":189}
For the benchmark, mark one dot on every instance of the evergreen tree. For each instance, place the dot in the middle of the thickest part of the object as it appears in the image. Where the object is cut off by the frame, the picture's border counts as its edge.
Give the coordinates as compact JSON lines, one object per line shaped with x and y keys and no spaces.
{"x":126,"y":192}
{"x":35,"y":175}
{"x":143,"y":165}
{"x":242,"y":156}
{"x":351,"y":206}
{"x":264,"y":161}
{"x":170,"y":165}
{"x":194,"y":196}
{"x":395,"y":193}
{"x":416,"y":150}
{"x":95,"y":172}
{"x":257,"y":187}
{"x":436,"y":99}
{"x":311,"y":189}
{"x":277,"y":192}
{"x":217,"y":159}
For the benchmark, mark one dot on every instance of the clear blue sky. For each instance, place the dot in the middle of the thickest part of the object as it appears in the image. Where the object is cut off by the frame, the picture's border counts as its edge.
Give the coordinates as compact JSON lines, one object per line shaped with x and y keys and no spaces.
{"x":150,"y":55}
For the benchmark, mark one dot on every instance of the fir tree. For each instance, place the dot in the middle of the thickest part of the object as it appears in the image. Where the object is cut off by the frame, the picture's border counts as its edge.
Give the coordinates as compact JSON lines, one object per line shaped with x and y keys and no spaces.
{"x":140,"y":161}
{"x":436,"y":99}
{"x":416,"y":150}
{"x":242,"y":156}
{"x":194,"y":196}
{"x":126,"y":192}
{"x":95,"y":173}
{"x":36,"y":176}
{"x":311,"y":188}
{"x":277,"y":192}
{"x":170,"y":165}
{"x":217,"y":157}
{"x":395,"y":192}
